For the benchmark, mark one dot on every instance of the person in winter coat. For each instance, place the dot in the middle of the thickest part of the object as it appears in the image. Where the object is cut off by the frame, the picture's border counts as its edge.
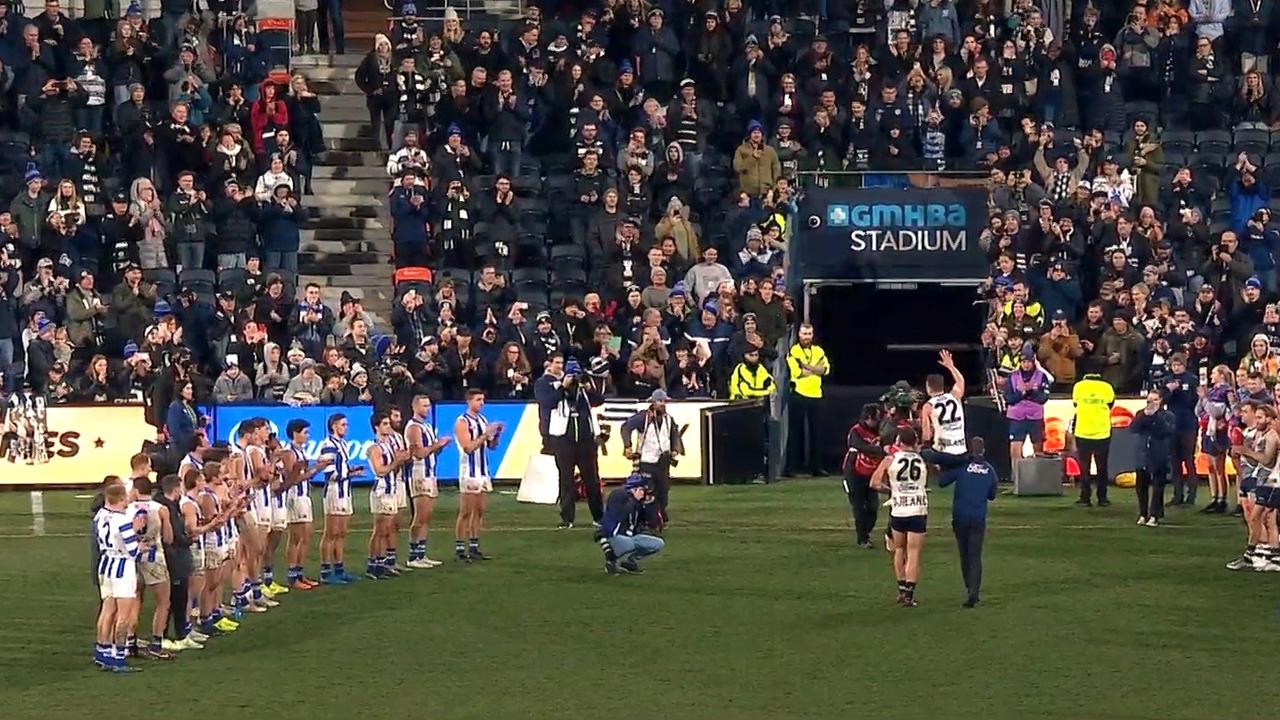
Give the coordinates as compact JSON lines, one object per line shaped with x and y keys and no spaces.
{"x":755,"y":163}
{"x":144,"y":204}
{"x":275,"y":176}
{"x":266,"y":115}
{"x":375,"y":77}
{"x":1145,"y":158}
{"x":410,"y":210}
{"x":1058,"y":351}
{"x":939,"y":18}
{"x":278,"y":221}
{"x":675,"y":224}
{"x":710,"y":50}
{"x":236,"y":233}
{"x":1156,"y":428}
{"x":658,"y":51}
{"x":188,"y":73}
{"x":1246,"y":191}
{"x":54,"y":105}
{"x":1120,"y":350}
{"x":231,"y":161}
{"x":232,"y":386}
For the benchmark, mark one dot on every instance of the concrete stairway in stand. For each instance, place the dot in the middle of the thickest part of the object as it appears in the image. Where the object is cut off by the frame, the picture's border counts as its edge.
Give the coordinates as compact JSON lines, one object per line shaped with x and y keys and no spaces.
{"x":346,"y":242}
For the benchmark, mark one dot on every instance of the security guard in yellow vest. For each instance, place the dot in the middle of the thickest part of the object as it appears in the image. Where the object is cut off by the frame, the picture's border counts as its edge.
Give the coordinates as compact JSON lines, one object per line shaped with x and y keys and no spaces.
{"x":750,"y":379}
{"x":807,"y":365}
{"x":1093,"y":398}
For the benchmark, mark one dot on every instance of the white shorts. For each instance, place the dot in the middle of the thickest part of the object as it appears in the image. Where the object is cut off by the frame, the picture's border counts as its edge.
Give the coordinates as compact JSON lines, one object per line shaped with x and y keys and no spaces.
{"x":475,"y":485}
{"x":279,"y":514}
{"x":154,"y":573}
{"x":299,"y":510}
{"x":402,"y":496}
{"x":334,"y":505}
{"x":120,"y":580}
{"x":213,"y":558}
{"x":383,"y":503}
{"x":197,"y":558}
{"x":423,"y":487}
{"x":259,"y":515}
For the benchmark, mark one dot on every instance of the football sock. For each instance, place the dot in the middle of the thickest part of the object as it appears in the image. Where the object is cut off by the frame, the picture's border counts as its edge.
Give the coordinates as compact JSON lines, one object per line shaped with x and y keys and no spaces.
{"x":371,"y":566}
{"x":911,"y":590}
{"x":268,"y":575}
{"x":389,"y":560}
{"x":156,"y":642}
{"x":460,"y":547}
{"x":295,"y":573}
{"x":474,"y":545}
{"x":326,"y":571}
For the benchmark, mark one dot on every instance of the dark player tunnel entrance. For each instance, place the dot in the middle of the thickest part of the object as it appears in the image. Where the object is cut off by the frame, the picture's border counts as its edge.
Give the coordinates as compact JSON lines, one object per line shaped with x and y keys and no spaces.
{"x":877,"y":334}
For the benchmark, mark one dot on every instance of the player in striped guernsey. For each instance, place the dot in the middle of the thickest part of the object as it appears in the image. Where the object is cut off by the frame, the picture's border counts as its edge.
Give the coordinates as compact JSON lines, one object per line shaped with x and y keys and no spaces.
{"x":476,"y":436}
{"x":216,"y":516}
{"x":188,"y":637}
{"x":277,"y":514}
{"x":245,"y":477}
{"x":338,"y":505}
{"x":153,"y":572}
{"x":195,"y":458}
{"x":387,"y":462}
{"x":402,"y":484}
{"x":117,"y":531}
{"x":424,"y":449}
{"x":298,"y":494}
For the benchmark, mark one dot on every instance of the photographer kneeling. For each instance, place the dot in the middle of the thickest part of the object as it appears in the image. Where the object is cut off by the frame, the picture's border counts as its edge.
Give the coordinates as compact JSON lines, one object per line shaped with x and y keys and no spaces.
{"x":629,"y":514}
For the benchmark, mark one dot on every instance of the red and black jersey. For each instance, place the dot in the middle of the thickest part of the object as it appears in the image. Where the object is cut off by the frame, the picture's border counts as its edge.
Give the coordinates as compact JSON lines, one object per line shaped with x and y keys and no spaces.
{"x":864,"y":452}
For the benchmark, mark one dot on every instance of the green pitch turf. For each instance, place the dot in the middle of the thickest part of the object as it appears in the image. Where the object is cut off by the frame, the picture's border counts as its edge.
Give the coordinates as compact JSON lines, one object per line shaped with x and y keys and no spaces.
{"x":761,"y":608}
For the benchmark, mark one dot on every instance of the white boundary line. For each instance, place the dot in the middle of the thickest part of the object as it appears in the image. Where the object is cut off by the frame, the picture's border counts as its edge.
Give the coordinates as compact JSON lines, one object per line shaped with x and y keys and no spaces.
{"x":701,"y":529}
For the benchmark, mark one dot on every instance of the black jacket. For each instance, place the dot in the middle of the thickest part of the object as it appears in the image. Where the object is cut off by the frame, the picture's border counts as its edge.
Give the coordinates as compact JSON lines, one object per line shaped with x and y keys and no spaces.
{"x":549,"y":391}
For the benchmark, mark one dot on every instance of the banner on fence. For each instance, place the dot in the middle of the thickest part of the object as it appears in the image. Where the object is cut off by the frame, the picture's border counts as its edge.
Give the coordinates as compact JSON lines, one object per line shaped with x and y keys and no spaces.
{"x":518,"y":442}
{"x":891,"y":234}
{"x":62,"y":445}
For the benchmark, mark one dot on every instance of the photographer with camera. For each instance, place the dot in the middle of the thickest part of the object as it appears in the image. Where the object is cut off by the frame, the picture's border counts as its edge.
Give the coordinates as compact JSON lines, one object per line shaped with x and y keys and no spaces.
{"x":659,"y":448}
{"x":570,"y":432}
{"x":623,"y":535}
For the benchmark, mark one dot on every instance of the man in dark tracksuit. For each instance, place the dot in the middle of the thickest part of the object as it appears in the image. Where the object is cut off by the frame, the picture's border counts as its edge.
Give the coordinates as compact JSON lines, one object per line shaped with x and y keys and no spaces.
{"x":975,"y":481}
{"x":1156,"y":426}
{"x":177,"y":556}
{"x":861,"y":459}
{"x":1182,"y":386}
{"x":568,"y":429}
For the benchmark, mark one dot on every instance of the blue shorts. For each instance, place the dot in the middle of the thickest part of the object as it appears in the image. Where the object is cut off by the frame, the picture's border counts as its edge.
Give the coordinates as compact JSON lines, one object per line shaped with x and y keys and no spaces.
{"x":1019,"y":430}
{"x":1268,"y":496}
{"x":918,"y":524}
{"x":1248,"y":484}
{"x":1214,"y":445}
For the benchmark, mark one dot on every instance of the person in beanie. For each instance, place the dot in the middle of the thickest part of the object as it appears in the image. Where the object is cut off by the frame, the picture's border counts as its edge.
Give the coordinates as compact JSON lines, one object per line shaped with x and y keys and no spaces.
{"x":629,"y":513}
{"x":659,"y":447}
{"x":570,"y":433}
{"x":756,"y":163}
{"x":1025,"y":393}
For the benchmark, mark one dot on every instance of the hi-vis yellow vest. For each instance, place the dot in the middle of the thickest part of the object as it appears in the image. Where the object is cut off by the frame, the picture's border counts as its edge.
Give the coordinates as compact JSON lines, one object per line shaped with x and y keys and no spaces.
{"x":809,"y":386}
{"x":747,"y":385}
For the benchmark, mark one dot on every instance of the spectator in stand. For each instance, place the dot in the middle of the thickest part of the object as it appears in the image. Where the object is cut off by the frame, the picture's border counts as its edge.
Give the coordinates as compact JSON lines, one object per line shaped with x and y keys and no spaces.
{"x":1058,"y":351}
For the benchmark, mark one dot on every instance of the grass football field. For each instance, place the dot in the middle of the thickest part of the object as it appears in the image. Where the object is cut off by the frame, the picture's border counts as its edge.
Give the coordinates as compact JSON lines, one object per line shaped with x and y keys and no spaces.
{"x":760,"y":608}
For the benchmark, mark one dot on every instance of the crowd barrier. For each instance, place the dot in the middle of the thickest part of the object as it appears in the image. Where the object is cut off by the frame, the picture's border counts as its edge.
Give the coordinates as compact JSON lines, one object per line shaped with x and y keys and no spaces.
{"x":518,"y":442}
